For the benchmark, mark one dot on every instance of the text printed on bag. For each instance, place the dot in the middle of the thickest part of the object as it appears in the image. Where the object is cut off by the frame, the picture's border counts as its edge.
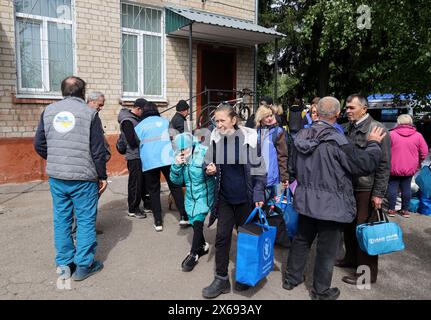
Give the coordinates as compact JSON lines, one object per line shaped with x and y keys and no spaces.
{"x":392,"y":237}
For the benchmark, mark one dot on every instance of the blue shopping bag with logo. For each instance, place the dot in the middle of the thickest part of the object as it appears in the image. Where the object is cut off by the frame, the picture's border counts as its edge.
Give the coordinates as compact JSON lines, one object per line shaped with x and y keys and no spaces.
{"x":380,"y":237}
{"x":255,"y":249}
{"x":290,"y":216}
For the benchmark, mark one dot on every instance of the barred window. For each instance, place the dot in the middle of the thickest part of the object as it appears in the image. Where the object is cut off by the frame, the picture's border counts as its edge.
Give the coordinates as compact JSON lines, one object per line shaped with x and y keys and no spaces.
{"x":142,"y":51}
{"x":44,"y":45}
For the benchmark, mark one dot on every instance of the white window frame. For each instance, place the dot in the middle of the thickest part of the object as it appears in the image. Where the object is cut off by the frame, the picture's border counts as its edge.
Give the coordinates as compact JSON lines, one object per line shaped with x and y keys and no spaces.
{"x":45,"y":91}
{"x":130,"y":96}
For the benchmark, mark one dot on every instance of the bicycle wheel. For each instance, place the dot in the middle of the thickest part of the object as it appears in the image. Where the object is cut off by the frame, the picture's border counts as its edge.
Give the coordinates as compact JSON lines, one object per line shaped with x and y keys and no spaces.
{"x":244,"y":112}
{"x":206,"y":116}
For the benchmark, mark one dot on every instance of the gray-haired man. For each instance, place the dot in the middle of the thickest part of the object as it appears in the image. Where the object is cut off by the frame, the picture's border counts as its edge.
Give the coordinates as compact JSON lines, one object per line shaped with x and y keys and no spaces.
{"x":323,"y":163}
{"x":96,"y":100}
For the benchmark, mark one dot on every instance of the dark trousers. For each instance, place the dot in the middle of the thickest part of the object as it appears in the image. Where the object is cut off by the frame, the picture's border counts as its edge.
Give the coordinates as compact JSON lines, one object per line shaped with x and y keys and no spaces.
{"x":328,"y":238}
{"x":152,"y":181}
{"x":198,"y":237}
{"x":229,"y":215}
{"x":353,"y":253}
{"x":406,"y":193}
{"x":136,"y":185}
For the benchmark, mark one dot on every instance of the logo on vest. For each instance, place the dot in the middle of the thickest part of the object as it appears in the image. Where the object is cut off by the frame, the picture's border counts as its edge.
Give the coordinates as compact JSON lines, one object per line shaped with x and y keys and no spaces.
{"x":64,"y":122}
{"x":267,"y":249}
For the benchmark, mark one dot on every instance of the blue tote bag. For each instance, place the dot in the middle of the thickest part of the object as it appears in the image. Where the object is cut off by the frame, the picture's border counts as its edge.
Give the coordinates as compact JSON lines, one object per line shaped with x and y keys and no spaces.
{"x":284,"y":202}
{"x":255,"y":249}
{"x":380,"y":237}
{"x":423,"y":180}
{"x":424,"y":205}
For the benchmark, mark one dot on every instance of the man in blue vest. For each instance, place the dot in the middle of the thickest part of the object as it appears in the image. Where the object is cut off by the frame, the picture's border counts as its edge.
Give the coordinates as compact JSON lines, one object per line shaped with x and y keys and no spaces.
{"x":70,"y":137}
{"x":157,"y":156}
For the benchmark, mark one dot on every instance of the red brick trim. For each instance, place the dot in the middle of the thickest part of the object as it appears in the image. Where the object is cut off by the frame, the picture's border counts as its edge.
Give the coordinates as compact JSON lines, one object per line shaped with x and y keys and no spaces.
{"x":16,"y":100}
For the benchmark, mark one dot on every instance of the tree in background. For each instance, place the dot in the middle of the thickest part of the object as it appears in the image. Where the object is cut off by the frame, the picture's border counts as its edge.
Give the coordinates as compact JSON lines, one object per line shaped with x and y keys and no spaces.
{"x":339,"y":47}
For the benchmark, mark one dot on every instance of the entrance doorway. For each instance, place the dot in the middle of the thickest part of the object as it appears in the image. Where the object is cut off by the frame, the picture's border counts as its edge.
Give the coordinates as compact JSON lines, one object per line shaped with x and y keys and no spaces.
{"x":216,"y":69}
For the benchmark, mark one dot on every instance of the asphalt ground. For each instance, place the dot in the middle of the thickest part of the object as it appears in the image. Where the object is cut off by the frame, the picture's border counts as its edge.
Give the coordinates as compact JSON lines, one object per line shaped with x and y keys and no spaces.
{"x":140,"y":263}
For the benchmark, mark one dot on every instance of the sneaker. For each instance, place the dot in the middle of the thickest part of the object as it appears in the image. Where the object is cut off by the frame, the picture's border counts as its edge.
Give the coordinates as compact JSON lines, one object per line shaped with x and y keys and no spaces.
{"x":184,"y":222}
{"x":158,"y":226}
{"x":146,"y":210}
{"x":405,"y":214}
{"x":189,"y":262}
{"x":204,"y":250}
{"x":82,"y":273}
{"x":65,"y":271}
{"x":137,"y":214}
{"x":330,"y":294}
{"x":217,"y":287}
{"x":391,"y":213}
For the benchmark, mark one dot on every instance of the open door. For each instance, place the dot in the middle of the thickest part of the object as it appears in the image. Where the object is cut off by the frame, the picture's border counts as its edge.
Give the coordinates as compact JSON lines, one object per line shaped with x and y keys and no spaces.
{"x":216,"y":69}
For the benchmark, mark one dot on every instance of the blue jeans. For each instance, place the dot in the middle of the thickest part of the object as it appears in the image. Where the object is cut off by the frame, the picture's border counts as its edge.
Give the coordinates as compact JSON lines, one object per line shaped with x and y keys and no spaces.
{"x":406,"y":193}
{"x":81,"y":198}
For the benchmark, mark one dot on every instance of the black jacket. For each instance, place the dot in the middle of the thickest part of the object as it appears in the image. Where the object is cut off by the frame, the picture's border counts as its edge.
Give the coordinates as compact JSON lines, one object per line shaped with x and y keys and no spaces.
{"x":295,"y":121}
{"x":324,"y":163}
{"x":377,"y":182}
{"x":128,"y":121}
{"x":177,"y":122}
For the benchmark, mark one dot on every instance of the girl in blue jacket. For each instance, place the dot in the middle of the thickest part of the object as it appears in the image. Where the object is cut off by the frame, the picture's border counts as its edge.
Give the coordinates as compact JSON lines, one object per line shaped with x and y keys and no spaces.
{"x":199,"y":192}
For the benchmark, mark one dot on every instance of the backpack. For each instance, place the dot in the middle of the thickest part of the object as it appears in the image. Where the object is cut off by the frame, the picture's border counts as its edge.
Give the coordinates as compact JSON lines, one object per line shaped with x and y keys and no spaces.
{"x":121,"y":144}
{"x":295,"y":119}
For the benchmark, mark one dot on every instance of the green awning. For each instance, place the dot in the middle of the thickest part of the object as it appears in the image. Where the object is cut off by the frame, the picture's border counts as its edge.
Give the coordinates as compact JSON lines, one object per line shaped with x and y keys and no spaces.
{"x":212,"y":27}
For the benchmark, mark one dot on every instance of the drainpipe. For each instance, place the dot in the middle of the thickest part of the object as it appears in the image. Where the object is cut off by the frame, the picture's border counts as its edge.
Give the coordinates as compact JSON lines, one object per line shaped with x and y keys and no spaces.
{"x":256,"y":48}
{"x":191,"y":72}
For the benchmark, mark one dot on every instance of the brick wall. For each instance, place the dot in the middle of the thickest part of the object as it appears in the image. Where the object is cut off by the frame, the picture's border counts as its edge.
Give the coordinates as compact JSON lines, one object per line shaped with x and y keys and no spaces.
{"x":98,"y":48}
{"x":98,"y":62}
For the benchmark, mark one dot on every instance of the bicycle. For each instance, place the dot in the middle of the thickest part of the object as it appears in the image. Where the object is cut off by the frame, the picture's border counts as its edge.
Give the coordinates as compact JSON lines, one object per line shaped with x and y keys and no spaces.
{"x":206,"y":116}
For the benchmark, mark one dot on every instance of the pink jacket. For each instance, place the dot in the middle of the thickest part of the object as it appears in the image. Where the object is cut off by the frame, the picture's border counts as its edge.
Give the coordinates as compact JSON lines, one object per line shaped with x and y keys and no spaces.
{"x":408,"y":150}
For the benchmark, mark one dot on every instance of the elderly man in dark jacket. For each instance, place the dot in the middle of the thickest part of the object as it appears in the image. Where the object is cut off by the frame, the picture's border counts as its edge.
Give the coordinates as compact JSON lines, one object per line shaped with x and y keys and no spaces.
{"x":369,"y":189}
{"x":324,"y":163}
{"x":179,"y":120}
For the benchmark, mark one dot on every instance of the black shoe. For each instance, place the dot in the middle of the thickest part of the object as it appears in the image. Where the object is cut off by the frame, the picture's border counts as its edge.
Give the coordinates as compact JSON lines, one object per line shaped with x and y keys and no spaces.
{"x":330,"y":294}
{"x":241,"y":286}
{"x":137,"y":214}
{"x":345,"y":263}
{"x":216,"y":288}
{"x":204,"y":250}
{"x":189,"y":262}
{"x":289,"y":285}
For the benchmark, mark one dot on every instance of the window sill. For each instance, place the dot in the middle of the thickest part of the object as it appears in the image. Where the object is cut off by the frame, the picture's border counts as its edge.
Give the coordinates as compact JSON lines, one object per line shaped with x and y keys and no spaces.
{"x":34,"y":99}
{"x":128,"y":102}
